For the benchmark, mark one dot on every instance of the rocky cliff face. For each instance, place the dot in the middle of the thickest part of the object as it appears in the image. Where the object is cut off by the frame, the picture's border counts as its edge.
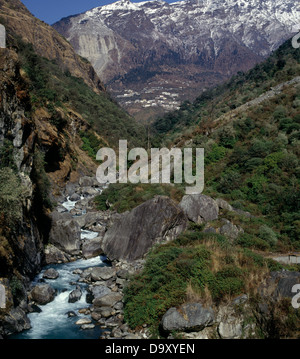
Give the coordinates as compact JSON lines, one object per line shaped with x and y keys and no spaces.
{"x":28,"y":183}
{"x":47,"y":42}
{"x":154,"y":54}
{"x":18,"y":142}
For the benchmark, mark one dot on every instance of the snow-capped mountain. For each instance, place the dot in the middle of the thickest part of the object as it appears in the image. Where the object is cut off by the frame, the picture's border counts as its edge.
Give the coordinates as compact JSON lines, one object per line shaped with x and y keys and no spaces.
{"x":154,"y":54}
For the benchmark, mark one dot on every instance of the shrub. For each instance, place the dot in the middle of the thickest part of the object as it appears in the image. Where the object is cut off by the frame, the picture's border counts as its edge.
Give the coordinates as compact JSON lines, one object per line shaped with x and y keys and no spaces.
{"x":11,"y":196}
{"x":229,"y":181}
{"x":125,"y":197}
{"x":215,"y":154}
{"x":267,"y":234}
{"x":247,"y":240}
{"x":280,"y":112}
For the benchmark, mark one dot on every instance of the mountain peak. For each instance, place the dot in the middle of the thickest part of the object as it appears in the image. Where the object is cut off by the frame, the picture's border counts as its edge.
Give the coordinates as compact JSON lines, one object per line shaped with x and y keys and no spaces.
{"x":151,"y":54}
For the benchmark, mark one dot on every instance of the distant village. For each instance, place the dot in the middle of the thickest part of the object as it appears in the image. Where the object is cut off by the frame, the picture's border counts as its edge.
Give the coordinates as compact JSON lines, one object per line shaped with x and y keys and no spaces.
{"x":150,"y":97}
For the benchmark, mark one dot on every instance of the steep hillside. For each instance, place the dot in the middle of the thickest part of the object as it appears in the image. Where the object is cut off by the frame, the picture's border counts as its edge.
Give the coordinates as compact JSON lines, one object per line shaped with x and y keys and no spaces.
{"x":249,"y":128}
{"x":53,"y":120}
{"x":222,"y":269}
{"x":47,"y":42}
{"x":153,"y":55}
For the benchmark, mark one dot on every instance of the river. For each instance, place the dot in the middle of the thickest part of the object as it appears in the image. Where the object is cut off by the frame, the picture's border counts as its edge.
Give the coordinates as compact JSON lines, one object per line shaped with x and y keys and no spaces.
{"x":53,"y":321}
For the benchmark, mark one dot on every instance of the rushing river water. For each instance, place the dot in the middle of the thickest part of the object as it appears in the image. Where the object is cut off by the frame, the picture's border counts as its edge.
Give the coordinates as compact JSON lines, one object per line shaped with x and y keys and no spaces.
{"x":53,"y":321}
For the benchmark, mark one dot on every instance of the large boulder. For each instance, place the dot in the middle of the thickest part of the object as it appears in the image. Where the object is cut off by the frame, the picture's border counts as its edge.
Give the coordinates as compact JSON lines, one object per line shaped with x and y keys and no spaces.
{"x":134,"y":233}
{"x":224,"y":205}
{"x":14,"y":322}
{"x":102,"y":273}
{"x":86,"y":181}
{"x":53,"y":255}
{"x":65,"y":234}
{"x":43,"y":294}
{"x":108,"y":300}
{"x":232,"y":319}
{"x":75,"y":197}
{"x":51,"y":273}
{"x":279,"y":285}
{"x":96,"y":291}
{"x":75,"y":295}
{"x":89,"y":219}
{"x":230,"y":230}
{"x":92,"y":247}
{"x":199,"y":208}
{"x":189,"y":317}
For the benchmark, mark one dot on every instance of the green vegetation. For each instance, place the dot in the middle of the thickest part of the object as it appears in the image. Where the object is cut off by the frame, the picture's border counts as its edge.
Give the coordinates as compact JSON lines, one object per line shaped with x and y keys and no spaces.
{"x":252,"y":159}
{"x":6,"y":155}
{"x":124,"y":197}
{"x":91,"y":143}
{"x":196,"y":266}
{"x":40,"y":178}
{"x":54,"y":89}
{"x":281,"y":66}
{"x":11,"y":197}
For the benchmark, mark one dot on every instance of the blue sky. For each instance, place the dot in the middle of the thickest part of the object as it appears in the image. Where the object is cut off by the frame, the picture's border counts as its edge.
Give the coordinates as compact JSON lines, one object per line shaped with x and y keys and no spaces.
{"x":51,"y":11}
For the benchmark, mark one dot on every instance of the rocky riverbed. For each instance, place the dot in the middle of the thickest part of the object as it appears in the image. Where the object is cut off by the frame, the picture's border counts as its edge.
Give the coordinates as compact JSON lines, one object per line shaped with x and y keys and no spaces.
{"x":79,"y":293}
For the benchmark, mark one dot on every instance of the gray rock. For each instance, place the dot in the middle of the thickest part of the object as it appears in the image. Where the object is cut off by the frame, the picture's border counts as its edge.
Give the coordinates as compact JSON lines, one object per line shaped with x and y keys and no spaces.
{"x":75,"y":197}
{"x":199,"y":208}
{"x":230,"y":230}
{"x":71,"y":314}
{"x":53,"y":255}
{"x":61,"y":209}
{"x":108,"y":300}
{"x":223,"y":204}
{"x":51,"y":273}
{"x":77,"y":271}
{"x":119,"y":306}
{"x":232,"y":321}
{"x":188,"y":318}
{"x":123,"y":273}
{"x":96,"y":316}
{"x":97,"y":291}
{"x":102,"y":273}
{"x":243,"y":213}
{"x":92,"y":248}
{"x":14,"y":322}
{"x":86,"y":274}
{"x":75,"y":295}
{"x":86,"y":181}
{"x":231,"y":328}
{"x":83,"y":321}
{"x":106,"y":312}
{"x":134,"y":233}
{"x":279,"y":285}
{"x":65,"y":234}
{"x":43,"y":294}
{"x":89,"y":219}
{"x":87,"y":326}
{"x":89,"y":191}
{"x":82,"y":204}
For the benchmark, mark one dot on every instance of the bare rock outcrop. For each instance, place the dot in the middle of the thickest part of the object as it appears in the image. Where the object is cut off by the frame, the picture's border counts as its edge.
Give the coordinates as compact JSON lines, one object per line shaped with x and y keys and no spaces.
{"x":154,"y":221}
{"x":199,"y":208}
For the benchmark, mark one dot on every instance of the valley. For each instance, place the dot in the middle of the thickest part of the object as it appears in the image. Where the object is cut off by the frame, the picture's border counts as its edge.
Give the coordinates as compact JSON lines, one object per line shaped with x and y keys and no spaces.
{"x":83,"y":259}
{"x":183,"y":48}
